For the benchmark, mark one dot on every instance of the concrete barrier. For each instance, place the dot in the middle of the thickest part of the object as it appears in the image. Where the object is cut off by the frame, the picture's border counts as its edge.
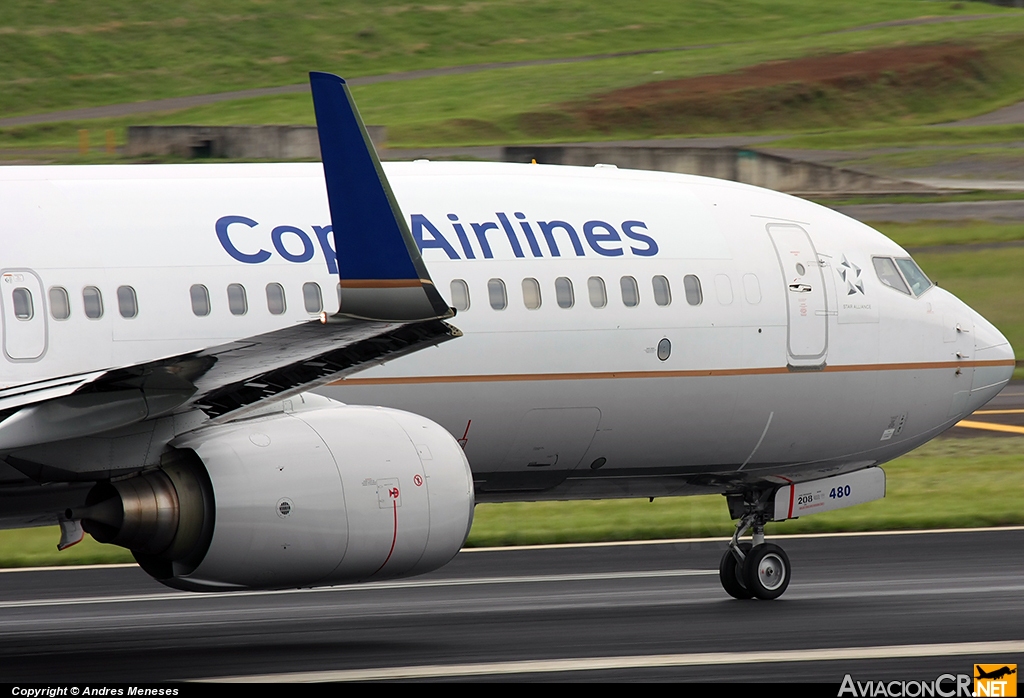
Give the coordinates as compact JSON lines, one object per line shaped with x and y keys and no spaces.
{"x":283,"y":143}
{"x":737,"y":164}
{"x":233,"y":142}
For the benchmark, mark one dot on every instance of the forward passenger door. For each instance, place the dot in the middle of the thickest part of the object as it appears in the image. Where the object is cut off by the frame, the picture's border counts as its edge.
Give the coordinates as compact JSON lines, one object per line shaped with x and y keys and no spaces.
{"x":806,"y":303}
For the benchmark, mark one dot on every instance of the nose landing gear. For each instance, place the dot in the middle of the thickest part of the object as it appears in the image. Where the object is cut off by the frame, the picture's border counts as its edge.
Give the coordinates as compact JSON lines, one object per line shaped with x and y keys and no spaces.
{"x":755,"y":569}
{"x":730,"y":571}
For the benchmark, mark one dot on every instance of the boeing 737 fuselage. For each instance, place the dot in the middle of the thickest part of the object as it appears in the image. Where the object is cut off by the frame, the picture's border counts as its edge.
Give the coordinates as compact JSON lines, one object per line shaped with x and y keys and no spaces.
{"x":617,"y":334}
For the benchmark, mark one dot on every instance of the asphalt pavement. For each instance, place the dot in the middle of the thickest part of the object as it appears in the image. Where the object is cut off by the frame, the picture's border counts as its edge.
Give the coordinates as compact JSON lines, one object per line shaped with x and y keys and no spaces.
{"x":888,"y":606}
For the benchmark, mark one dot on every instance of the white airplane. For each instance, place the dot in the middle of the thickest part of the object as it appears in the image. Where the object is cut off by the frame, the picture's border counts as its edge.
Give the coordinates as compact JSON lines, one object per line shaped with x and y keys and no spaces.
{"x":618,"y":334}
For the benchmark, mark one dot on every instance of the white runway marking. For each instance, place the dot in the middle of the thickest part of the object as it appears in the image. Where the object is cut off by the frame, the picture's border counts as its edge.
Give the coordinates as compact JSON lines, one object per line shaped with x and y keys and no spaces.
{"x":601,"y":544}
{"x":369,"y":586}
{"x":71,"y":568}
{"x":652,"y":661}
{"x":790,"y":536}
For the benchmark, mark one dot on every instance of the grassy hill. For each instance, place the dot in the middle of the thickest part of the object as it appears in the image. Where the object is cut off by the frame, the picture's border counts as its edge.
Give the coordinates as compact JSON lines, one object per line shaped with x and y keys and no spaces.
{"x":56,"y":55}
{"x":646,"y":71}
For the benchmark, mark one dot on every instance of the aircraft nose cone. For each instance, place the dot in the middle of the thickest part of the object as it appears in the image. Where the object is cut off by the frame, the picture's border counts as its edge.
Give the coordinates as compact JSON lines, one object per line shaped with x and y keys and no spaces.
{"x":994,"y":363}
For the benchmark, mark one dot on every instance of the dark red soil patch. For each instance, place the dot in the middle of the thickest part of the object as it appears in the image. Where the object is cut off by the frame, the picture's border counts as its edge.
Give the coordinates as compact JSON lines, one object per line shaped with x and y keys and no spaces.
{"x":822,"y":90}
{"x":835,"y":70}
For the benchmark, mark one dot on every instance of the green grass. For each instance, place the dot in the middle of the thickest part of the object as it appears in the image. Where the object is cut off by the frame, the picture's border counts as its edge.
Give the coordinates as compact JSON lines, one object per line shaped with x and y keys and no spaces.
{"x":946,"y":483}
{"x":79,"y":53}
{"x":929,"y":233}
{"x":497,"y":106}
{"x":32,"y":547}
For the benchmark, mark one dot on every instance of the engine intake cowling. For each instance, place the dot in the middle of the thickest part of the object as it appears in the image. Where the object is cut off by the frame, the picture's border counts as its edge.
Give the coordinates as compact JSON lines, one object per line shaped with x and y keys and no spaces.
{"x":326,"y":496}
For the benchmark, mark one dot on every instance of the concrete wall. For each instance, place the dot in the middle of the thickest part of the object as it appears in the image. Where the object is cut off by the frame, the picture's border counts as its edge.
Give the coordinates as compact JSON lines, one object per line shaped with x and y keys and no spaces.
{"x":233,"y":142}
{"x":736,"y":164}
{"x":283,"y":143}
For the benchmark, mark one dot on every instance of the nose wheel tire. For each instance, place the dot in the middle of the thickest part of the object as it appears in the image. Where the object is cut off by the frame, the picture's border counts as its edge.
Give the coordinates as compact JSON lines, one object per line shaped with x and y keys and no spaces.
{"x":766,"y":571}
{"x":730,"y":572}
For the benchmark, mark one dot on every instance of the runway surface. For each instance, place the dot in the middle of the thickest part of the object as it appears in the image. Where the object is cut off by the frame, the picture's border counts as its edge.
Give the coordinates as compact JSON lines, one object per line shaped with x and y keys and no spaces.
{"x":909,"y":606}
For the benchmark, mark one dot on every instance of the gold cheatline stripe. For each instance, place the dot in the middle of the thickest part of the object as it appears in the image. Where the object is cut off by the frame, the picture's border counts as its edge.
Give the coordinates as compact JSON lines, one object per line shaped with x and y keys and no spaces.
{"x":607,"y":375}
{"x":990,"y":426}
{"x":381,"y":283}
{"x":999,"y":412}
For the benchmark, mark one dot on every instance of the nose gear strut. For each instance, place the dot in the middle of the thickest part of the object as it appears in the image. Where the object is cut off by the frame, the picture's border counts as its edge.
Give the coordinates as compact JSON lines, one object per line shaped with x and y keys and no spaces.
{"x":756,"y":569}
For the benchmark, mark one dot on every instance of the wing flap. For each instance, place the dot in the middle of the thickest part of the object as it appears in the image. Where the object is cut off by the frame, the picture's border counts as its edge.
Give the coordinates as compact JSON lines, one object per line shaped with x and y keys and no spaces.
{"x":358,"y":346}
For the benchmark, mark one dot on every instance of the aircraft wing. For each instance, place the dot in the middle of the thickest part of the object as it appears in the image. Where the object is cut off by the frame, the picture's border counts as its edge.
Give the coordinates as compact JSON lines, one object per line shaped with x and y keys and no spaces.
{"x":389,"y":307}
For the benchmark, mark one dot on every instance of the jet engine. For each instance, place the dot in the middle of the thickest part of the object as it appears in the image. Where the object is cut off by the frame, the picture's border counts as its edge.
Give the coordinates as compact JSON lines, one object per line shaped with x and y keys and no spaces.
{"x":327,"y":496}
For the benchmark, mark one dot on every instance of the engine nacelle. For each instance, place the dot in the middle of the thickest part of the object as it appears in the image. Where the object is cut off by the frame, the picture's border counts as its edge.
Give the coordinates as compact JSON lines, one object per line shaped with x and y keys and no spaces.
{"x":326,"y":496}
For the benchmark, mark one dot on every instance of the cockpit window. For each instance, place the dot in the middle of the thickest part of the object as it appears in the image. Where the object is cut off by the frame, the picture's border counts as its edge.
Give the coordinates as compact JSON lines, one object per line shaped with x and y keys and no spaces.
{"x":919,"y":283}
{"x":889,"y":275}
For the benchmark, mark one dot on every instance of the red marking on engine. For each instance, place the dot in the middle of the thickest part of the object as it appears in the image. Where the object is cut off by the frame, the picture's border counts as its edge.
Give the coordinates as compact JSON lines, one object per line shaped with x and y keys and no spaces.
{"x":393,"y":539}
{"x":465,"y":436}
{"x":417,"y":480}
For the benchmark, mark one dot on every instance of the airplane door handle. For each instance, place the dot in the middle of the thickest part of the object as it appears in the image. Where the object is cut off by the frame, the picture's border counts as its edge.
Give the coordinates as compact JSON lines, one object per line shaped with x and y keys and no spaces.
{"x":800,"y":288}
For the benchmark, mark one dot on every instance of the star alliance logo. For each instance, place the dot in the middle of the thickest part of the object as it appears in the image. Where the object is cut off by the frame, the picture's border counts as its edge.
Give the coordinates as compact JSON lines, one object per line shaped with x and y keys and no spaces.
{"x":850,"y":273}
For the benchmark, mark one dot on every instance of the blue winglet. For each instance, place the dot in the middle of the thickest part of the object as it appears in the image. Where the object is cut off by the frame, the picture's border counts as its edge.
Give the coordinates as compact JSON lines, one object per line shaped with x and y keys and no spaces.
{"x":382,"y":274}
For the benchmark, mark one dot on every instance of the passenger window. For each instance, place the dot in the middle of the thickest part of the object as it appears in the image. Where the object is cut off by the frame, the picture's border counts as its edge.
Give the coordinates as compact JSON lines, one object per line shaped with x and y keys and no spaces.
{"x":531,"y":293}
{"x":127,"y":302}
{"x":275,"y":299}
{"x":460,"y":295}
{"x":200,"y":297}
{"x":237,"y":303}
{"x":93,"y":301}
{"x":563,"y":292}
{"x":630,"y":292}
{"x":723,"y":288}
{"x":311,"y":297}
{"x":598,"y":294}
{"x":919,"y":283}
{"x":496,"y":294}
{"x":60,"y":304}
{"x":662,"y":292}
{"x":751,"y":289}
{"x":889,"y":275}
{"x":23,"y":307}
{"x":691,"y":286}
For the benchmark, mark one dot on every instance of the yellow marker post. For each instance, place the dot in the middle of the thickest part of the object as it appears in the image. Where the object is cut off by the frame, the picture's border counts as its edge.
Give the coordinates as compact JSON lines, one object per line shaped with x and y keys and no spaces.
{"x":111,"y":145}
{"x":83,"y":141}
